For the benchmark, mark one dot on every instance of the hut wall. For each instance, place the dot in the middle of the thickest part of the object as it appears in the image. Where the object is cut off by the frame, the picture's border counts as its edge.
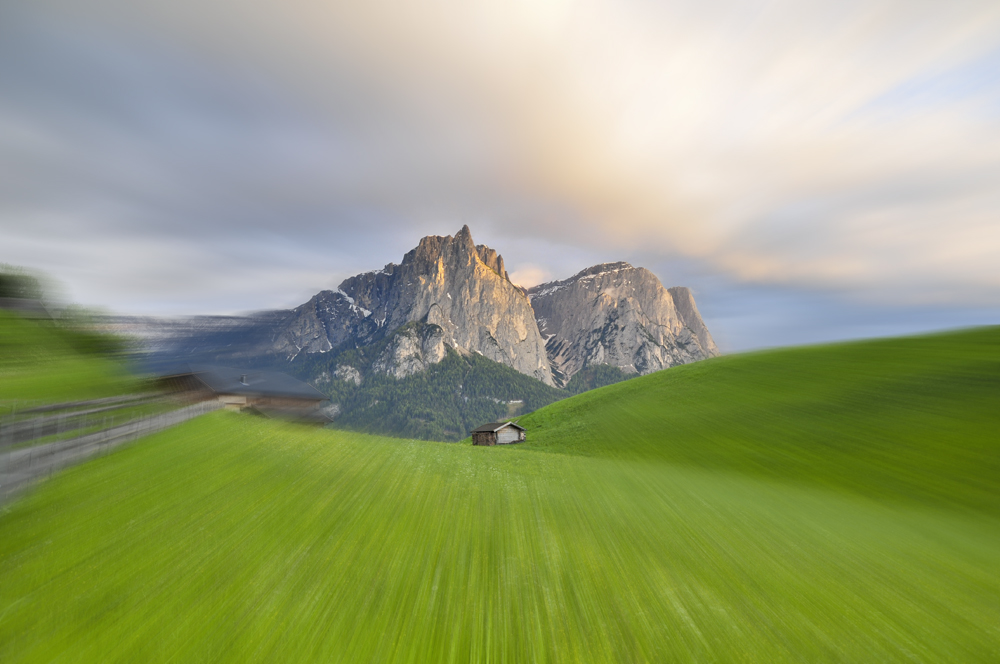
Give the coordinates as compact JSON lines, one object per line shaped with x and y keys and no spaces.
{"x":508,"y":435}
{"x":486,"y":438}
{"x":290,"y":403}
{"x":233,"y":401}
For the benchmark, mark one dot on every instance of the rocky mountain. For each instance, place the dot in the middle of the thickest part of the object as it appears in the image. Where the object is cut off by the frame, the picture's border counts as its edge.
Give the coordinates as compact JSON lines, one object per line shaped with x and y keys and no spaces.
{"x":463,"y":289}
{"x":327,"y":320}
{"x":401,"y":386}
{"x":409,"y":351}
{"x":449,"y":292}
{"x":618,"y":315}
{"x":444,"y":339}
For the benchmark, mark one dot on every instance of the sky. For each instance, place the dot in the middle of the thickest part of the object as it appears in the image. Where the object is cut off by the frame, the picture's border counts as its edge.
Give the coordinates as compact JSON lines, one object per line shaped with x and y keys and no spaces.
{"x":814,"y":171}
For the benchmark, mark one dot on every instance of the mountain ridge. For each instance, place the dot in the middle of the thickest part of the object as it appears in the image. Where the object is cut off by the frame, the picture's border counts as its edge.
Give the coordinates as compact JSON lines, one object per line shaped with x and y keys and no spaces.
{"x":464,"y":289}
{"x":449,"y":298}
{"x":618,"y":315}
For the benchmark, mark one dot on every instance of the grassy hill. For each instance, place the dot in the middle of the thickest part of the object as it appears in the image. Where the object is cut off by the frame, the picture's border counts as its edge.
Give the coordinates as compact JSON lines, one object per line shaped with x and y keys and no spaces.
{"x":44,"y":362}
{"x":911,"y":418}
{"x":725,"y":511}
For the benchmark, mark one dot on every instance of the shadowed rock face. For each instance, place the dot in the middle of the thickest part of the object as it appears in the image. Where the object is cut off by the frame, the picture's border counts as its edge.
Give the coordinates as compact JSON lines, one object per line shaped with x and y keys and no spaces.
{"x":619,"y":315}
{"x":450,"y":282}
{"x":326,"y":321}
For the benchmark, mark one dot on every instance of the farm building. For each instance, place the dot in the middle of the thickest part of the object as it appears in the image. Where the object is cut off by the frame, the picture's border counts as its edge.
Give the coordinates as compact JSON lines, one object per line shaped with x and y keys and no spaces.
{"x":498,"y":433}
{"x":269,"y":393}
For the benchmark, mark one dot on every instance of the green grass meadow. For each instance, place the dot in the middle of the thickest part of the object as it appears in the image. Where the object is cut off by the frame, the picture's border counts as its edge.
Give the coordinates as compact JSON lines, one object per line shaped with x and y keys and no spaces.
{"x":913,"y":420}
{"x":833,"y":504}
{"x":43,"y":363}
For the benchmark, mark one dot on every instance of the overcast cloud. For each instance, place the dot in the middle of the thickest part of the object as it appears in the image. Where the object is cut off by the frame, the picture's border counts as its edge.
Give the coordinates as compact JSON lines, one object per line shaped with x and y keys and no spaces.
{"x":814,"y":170}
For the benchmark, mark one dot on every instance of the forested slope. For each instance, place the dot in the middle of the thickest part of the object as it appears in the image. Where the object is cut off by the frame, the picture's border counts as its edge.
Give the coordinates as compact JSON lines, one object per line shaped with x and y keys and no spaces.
{"x":443,"y":402}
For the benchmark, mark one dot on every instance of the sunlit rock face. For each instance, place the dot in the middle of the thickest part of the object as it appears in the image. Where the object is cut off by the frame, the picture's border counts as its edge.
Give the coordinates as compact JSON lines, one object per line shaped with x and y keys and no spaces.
{"x":463,"y":289}
{"x":450,"y":292}
{"x":618,"y":315}
{"x":348,"y":374}
{"x":411,"y":350}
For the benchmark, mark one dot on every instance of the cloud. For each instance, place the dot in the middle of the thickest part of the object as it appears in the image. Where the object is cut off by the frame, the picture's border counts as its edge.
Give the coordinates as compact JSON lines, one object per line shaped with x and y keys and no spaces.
{"x":530,"y":275}
{"x":843,"y":146}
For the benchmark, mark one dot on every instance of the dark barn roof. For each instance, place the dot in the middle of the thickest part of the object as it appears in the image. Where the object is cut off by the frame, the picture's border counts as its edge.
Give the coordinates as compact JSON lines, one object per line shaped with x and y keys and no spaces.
{"x":495,"y":426}
{"x":225,"y":380}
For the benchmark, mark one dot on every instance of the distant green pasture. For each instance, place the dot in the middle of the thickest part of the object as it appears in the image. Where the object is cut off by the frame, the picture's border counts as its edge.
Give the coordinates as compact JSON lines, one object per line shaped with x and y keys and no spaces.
{"x":40,"y":363}
{"x":233,"y":539}
{"x":908,"y":419}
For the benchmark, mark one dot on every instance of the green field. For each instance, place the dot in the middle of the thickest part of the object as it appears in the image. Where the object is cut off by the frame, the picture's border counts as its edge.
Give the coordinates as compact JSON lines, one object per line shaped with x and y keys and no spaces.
{"x":811,"y":505}
{"x":43,"y":362}
{"x":913,"y":419}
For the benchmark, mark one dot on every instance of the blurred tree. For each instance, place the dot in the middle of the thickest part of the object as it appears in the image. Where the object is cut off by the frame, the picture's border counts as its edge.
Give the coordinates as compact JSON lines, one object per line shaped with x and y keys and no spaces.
{"x":15,"y":282}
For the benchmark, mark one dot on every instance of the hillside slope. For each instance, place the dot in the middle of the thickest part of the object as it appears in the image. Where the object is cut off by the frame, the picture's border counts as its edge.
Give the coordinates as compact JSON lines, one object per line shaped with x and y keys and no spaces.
{"x":234,"y":539}
{"x":711,"y":512}
{"x":914,"y":418}
{"x":42,"y":362}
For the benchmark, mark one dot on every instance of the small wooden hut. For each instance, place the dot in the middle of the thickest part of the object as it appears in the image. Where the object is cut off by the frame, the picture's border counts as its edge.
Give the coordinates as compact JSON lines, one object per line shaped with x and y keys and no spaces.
{"x":498,"y":433}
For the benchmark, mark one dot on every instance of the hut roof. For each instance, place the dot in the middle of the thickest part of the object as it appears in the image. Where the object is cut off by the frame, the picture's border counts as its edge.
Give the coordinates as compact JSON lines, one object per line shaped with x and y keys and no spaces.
{"x":495,"y":426}
{"x":225,"y":380}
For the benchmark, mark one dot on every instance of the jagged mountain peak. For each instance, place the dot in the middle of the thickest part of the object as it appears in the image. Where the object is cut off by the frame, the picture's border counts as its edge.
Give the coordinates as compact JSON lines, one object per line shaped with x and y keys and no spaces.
{"x":433,"y":247}
{"x":608,"y":314}
{"x":602,"y":272}
{"x":492,"y":260}
{"x":611,"y":313}
{"x":464,"y":289}
{"x":453,"y":252}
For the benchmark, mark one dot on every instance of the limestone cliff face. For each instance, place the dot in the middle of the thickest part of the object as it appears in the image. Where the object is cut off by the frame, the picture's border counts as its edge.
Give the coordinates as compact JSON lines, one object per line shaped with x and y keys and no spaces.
{"x":450,"y":292}
{"x":411,"y":350}
{"x":463,"y":289}
{"x":348,"y":374}
{"x":619,"y":315}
